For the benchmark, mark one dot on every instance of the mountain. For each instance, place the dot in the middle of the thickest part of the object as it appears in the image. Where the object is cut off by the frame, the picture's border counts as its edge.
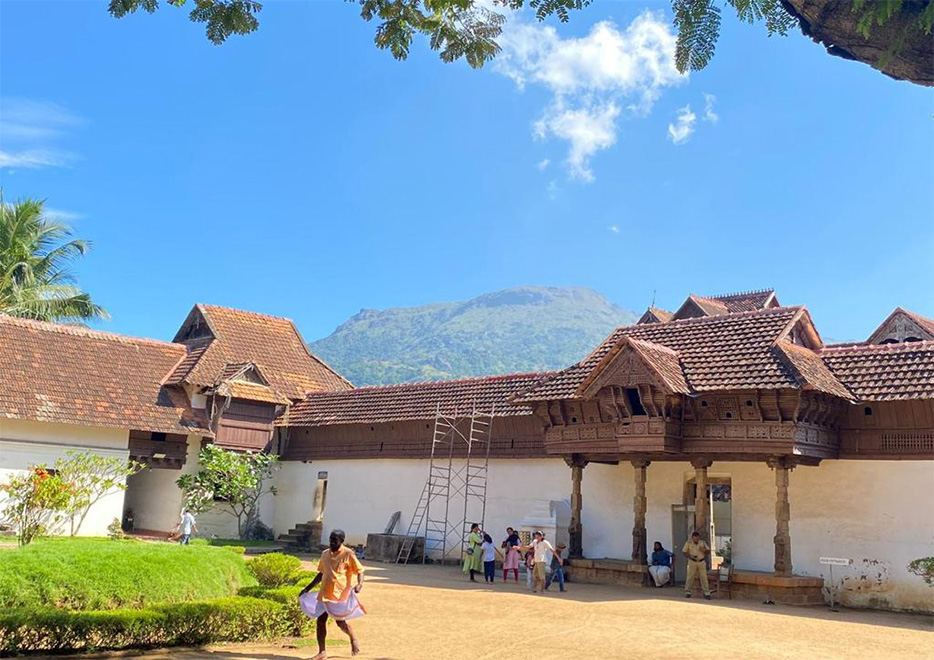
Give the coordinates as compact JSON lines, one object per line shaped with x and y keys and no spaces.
{"x":529,"y":328}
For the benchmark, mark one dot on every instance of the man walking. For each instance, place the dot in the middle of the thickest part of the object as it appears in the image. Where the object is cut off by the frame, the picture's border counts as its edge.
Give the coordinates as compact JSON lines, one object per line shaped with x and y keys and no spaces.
{"x":186,"y":526}
{"x":337,"y":598}
{"x":696,"y":551}
{"x":557,"y":568}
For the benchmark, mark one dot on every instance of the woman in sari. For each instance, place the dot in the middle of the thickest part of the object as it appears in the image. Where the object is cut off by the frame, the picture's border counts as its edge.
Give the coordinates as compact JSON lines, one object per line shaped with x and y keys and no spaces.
{"x":473,"y":559}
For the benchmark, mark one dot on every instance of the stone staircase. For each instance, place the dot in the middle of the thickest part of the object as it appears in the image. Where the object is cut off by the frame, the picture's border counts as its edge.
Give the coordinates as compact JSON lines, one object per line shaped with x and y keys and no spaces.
{"x":304,"y":537}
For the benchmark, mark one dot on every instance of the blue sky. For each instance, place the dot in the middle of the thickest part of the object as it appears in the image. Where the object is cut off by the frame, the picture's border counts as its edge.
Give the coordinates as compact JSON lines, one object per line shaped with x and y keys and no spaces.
{"x":300,"y":171}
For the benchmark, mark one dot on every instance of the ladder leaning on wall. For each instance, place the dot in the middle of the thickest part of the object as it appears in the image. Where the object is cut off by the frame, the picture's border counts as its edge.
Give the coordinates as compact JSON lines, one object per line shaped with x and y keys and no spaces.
{"x":454,"y":495}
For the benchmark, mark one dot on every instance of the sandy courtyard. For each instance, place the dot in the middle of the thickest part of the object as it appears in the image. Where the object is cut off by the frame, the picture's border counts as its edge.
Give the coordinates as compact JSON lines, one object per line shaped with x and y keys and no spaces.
{"x":432,"y":613}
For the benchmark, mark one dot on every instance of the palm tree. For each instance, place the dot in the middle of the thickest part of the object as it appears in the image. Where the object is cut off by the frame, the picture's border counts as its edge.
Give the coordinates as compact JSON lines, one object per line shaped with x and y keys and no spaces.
{"x":35,"y":282}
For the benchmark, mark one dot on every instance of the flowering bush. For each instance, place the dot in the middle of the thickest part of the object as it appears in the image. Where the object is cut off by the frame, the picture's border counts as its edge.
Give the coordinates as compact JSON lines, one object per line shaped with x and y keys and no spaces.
{"x":35,"y":502}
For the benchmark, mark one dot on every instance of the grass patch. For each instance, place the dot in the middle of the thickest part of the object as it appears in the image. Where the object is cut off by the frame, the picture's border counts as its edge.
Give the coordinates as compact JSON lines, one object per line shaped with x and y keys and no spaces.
{"x":245,"y":543}
{"x":101,"y":574}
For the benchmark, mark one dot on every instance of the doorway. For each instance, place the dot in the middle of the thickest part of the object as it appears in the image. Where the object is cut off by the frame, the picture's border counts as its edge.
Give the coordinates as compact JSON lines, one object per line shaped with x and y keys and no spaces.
{"x":682,"y":524}
{"x":321,"y":497}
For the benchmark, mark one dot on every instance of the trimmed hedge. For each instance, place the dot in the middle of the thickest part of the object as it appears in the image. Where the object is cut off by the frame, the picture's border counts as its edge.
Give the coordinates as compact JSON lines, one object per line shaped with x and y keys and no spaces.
{"x":236,"y":619}
{"x":274,"y":569}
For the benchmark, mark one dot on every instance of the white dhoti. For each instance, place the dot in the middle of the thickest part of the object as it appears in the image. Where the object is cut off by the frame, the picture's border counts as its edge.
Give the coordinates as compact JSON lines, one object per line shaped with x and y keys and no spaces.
{"x":340,"y":610}
{"x":661,"y":574}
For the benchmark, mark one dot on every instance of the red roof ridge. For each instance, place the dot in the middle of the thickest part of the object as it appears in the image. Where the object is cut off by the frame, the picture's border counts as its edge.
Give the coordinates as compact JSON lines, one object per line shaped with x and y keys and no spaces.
{"x":650,"y":344}
{"x":245,"y":311}
{"x":883,"y":348}
{"x":721,"y":318}
{"x":439,"y":383}
{"x":82,"y":331}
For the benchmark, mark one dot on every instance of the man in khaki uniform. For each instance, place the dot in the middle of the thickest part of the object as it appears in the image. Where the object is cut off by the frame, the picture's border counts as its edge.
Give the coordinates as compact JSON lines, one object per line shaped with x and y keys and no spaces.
{"x":696,"y":552}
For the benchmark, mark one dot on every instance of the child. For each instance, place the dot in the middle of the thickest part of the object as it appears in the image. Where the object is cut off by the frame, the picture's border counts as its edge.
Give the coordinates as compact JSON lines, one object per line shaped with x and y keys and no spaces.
{"x":557,"y":568}
{"x":489,"y":558}
{"x":529,"y":566}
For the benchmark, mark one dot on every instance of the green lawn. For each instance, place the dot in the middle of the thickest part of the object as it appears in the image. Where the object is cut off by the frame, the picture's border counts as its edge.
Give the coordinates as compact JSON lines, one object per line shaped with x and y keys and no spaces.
{"x":243,"y":543}
{"x":95,"y":573}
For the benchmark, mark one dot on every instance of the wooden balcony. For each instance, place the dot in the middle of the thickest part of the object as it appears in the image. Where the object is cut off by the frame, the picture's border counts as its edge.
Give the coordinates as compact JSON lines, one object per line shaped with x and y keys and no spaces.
{"x":158,"y":450}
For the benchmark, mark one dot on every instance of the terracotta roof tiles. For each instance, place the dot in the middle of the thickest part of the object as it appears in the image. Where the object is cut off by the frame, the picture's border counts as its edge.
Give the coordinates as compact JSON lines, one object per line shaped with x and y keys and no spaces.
{"x":371,"y":405}
{"x":886,"y":372}
{"x":728,"y":351}
{"x":73,"y":375}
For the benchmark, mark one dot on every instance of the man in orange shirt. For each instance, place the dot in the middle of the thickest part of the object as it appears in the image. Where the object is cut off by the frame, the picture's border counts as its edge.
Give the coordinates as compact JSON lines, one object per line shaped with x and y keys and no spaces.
{"x":336,"y":569}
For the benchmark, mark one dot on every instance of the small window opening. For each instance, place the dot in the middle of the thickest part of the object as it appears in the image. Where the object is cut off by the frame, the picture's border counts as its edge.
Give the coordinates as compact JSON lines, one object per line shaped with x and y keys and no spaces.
{"x":749,"y":403}
{"x":703,"y":404}
{"x":158,"y":437}
{"x":635,"y":403}
{"x":728,"y":415}
{"x":574,"y":420}
{"x":867,"y":411}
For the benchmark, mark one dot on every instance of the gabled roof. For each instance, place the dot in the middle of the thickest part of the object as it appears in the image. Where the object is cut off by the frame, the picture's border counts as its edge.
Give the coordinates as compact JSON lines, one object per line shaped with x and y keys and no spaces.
{"x":272,"y":343}
{"x":655,"y":315}
{"x":72,"y":375}
{"x":748,"y":301}
{"x":659,"y":360}
{"x":886,"y":372}
{"x":414,"y":401}
{"x":811,"y":371}
{"x":724,"y":352}
{"x":696,"y":306}
{"x":901,"y":323}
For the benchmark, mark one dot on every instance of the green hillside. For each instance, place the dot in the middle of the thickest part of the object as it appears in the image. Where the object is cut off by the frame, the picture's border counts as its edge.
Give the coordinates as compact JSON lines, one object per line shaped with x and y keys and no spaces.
{"x":527,"y":328}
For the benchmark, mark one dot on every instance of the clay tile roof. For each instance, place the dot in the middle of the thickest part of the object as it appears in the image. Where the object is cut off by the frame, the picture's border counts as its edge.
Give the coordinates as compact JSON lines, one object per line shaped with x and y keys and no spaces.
{"x":711,"y":306}
{"x":811,"y":370}
{"x":272,"y":343}
{"x":241,"y":389}
{"x":746,"y":301}
{"x":923,"y":321}
{"x":665,"y":362}
{"x":373,"y":405}
{"x":724,"y":352}
{"x":73,"y":375}
{"x":885,"y":372}
{"x":655,"y":315}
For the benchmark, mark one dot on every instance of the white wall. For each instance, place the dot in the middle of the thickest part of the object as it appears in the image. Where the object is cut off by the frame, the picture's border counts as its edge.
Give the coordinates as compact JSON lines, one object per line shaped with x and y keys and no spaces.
{"x":24,"y":444}
{"x":879,"y":513}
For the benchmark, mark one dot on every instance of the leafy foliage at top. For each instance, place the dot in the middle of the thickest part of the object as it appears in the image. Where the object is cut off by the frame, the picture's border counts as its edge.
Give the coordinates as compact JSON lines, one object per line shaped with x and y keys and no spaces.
{"x":464,"y":29}
{"x":521,"y":329}
{"x":69,"y":573}
{"x":35,"y":255}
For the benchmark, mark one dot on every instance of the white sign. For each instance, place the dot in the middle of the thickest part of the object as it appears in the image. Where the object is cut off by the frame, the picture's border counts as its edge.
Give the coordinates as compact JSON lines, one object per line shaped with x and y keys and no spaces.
{"x":836,"y":561}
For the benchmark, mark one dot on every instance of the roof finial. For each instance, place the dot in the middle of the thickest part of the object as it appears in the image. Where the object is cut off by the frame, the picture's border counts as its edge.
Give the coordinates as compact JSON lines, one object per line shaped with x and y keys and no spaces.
{"x":652,"y":306}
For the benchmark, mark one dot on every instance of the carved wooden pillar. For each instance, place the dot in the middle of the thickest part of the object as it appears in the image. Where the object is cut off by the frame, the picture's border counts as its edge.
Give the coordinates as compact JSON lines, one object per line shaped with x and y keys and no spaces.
{"x":639,"y":536}
{"x":575,"y":529}
{"x":701,"y":499}
{"x":782,"y":539}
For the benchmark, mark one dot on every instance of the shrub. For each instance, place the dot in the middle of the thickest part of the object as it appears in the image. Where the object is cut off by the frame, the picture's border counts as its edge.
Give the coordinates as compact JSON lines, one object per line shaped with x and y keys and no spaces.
{"x":233,"y":619}
{"x":923,"y":568}
{"x":274,"y":569}
{"x":301,"y":578}
{"x":115,"y":530}
{"x":287,"y":597}
{"x":66,"y":573}
{"x":35,"y":502}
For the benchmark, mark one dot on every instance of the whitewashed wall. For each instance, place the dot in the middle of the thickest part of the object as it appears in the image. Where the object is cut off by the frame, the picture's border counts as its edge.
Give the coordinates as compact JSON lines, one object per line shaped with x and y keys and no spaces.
{"x":154,"y":497}
{"x":879,"y":513}
{"x":25,"y":443}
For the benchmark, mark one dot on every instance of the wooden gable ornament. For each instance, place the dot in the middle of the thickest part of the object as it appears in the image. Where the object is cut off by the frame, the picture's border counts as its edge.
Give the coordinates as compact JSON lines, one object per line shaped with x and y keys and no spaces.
{"x":902,"y":326}
{"x":634,"y":362}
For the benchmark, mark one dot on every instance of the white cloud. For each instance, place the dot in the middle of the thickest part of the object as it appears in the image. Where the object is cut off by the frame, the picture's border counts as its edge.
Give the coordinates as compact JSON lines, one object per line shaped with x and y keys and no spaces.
{"x":614,"y":229}
{"x":61,"y":214}
{"x":683,"y":127}
{"x":709,"y":114}
{"x":593,"y":79}
{"x":31,"y":132}
{"x":543,"y":164}
{"x":553,"y":190}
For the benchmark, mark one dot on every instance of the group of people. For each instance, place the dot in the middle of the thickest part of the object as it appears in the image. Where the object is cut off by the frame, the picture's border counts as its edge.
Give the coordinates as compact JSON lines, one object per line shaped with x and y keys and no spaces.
{"x":481,"y":554}
{"x":695,"y":552}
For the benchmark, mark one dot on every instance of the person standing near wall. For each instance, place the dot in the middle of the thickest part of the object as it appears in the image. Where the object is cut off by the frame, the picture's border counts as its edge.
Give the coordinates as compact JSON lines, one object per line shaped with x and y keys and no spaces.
{"x":186,"y":526}
{"x":489,"y":558}
{"x":473,"y":558}
{"x":557,"y":568}
{"x":696,"y":551}
{"x":511,"y":549}
{"x":540,"y":549}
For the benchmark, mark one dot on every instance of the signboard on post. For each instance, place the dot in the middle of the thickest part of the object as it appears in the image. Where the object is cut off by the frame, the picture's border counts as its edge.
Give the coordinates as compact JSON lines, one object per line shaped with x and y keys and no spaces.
{"x":834,"y":561}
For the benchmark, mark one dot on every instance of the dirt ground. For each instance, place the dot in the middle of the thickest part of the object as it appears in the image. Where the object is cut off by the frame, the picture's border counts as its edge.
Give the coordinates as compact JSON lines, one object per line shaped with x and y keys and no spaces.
{"x":433,"y":613}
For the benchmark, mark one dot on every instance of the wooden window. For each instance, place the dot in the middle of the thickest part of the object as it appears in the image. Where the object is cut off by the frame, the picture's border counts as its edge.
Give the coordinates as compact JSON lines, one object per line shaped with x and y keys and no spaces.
{"x":635,"y":403}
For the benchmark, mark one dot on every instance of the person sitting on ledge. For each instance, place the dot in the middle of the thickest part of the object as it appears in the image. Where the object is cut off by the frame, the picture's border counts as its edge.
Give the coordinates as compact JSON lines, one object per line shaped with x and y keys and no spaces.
{"x":660,"y":567}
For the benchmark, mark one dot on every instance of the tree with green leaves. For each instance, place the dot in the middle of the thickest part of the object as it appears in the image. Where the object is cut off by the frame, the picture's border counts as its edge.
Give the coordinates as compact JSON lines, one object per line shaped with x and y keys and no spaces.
{"x":235,"y":481}
{"x":893,"y":36}
{"x":35,"y":254}
{"x":34,"y":502}
{"x":91,"y":477}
